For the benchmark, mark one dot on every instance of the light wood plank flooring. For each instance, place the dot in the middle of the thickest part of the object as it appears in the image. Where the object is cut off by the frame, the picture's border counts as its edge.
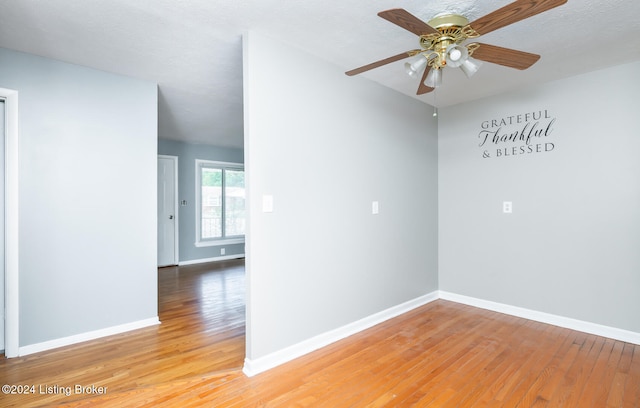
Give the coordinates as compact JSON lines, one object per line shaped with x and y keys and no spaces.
{"x":202,"y":331}
{"x":440,"y":355}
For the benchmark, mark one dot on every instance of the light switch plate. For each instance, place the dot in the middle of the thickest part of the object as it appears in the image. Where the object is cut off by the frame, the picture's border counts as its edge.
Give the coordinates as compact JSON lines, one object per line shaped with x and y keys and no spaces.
{"x":375,"y":207}
{"x":267,"y":203}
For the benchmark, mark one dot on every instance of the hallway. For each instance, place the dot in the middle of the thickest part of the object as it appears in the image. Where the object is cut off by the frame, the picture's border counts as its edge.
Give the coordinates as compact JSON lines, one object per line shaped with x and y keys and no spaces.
{"x":202,"y":331}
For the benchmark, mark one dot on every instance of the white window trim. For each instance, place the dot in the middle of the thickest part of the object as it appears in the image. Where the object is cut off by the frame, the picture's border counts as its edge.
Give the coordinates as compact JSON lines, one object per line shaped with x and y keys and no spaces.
{"x":200,"y":243}
{"x":218,"y":242}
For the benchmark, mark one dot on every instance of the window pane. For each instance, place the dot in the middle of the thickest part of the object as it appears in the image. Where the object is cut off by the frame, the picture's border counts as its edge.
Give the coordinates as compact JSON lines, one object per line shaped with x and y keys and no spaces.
{"x":234,"y":202}
{"x":211,"y":197}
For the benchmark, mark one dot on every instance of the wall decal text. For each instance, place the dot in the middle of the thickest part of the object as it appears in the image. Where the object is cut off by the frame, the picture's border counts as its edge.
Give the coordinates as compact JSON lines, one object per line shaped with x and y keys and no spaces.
{"x":526,"y":133}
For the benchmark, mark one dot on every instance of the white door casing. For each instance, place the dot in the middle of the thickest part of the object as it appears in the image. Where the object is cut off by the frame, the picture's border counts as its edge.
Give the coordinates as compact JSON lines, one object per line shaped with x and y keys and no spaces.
{"x":11,"y":234}
{"x":167,"y":210}
{"x":2,"y":218}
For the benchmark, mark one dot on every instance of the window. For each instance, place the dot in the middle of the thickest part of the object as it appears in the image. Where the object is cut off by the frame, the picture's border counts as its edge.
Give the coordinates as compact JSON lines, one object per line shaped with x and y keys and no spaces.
{"x":220,"y":198}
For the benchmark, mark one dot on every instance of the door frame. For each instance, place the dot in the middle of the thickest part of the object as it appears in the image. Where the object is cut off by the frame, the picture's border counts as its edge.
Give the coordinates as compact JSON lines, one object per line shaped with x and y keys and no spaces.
{"x":12,"y":292}
{"x":176,"y":230}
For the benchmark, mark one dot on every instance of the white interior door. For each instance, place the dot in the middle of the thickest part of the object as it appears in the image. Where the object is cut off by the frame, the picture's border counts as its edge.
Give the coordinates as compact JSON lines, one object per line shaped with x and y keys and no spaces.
{"x":2,"y":217}
{"x":167,"y":210}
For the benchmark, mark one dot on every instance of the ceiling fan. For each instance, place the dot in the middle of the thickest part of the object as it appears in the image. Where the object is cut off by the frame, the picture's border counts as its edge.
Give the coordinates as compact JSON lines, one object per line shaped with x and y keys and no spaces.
{"x":442,"y":37}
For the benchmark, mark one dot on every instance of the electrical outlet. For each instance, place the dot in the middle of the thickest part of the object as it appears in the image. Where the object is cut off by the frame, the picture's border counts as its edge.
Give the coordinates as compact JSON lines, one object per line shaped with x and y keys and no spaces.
{"x":507,"y":207}
{"x":222,"y":251}
{"x":375,"y":207}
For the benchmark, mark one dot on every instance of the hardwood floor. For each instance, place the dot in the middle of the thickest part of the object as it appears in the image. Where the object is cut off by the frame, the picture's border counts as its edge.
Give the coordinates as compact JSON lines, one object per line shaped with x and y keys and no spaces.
{"x":442,"y":354}
{"x":202,"y":331}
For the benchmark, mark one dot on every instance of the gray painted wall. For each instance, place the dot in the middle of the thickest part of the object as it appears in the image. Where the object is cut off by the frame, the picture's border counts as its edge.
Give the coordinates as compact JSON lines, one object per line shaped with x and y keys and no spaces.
{"x":325,"y":146}
{"x":571,"y":245}
{"x":88,"y":151}
{"x":187,"y":154}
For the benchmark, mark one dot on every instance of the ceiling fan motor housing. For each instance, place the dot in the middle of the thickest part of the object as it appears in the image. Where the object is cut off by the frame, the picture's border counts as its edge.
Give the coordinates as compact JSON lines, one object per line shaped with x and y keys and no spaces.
{"x":451,"y":31}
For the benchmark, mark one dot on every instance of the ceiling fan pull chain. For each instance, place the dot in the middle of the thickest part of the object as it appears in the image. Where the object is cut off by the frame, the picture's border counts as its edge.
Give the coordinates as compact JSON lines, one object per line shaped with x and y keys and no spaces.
{"x":435,"y":104}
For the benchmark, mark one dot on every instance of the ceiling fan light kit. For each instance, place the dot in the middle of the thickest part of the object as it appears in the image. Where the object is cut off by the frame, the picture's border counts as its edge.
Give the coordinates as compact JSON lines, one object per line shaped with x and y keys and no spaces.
{"x":416,"y":66}
{"x":442,"y":42}
{"x":456,"y":55}
{"x":434,"y":78}
{"x":470,"y":66}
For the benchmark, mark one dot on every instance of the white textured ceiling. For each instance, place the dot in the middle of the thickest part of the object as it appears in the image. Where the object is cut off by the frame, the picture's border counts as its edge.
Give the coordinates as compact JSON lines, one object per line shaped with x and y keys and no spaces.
{"x":192,"y":48}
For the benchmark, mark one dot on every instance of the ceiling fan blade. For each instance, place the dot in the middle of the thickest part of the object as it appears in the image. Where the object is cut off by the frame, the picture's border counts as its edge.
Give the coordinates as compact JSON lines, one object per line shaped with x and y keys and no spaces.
{"x":505,"y":56}
{"x":512,"y":13}
{"x":422,"y":88}
{"x":408,"y":21}
{"x":380,"y":63}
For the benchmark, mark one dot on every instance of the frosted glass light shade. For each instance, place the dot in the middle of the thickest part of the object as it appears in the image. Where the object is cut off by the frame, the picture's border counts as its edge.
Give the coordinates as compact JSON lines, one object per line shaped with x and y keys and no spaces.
{"x":415,"y":67}
{"x":470,"y":67}
{"x":456,"y":55}
{"x":434,"y":78}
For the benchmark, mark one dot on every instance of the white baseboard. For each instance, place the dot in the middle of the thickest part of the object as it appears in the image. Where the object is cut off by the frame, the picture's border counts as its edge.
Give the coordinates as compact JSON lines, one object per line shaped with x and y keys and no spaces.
{"x":215,"y":258}
{"x":261,"y":364}
{"x":78,"y":338}
{"x":561,"y":321}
